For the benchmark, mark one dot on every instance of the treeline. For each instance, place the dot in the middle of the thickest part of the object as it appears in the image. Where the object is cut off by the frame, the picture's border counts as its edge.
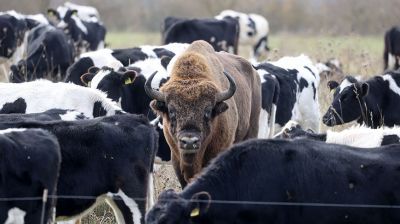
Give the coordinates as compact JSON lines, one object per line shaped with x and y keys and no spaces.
{"x":300,"y":16}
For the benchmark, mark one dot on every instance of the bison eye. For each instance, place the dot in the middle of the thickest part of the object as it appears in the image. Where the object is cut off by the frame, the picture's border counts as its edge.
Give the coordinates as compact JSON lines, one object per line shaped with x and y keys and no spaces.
{"x":207,"y":114}
{"x":172,"y":114}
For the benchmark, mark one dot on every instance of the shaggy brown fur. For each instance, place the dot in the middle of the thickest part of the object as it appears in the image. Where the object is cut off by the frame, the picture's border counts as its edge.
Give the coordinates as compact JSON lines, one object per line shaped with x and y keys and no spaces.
{"x":196,"y":78}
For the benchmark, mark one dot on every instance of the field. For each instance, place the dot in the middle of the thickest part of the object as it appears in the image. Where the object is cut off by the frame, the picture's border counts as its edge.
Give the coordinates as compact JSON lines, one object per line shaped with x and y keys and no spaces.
{"x":359,"y":55}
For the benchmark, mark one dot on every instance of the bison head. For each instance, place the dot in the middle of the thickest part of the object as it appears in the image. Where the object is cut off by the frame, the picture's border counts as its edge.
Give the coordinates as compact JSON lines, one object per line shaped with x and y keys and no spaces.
{"x":190,"y":107}
{"x":348,"y":103}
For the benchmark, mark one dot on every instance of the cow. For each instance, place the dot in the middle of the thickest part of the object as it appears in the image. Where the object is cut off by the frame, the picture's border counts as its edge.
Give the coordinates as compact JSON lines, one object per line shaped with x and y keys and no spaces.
{"x":253,"y":31}
{"x":84,"y":12}
{"x":356,"y":136}
{"x":372,"y":102}
{"x":117,"y":58}
{"x":49,"y":54}
{"x":30,"y":162}
{"x":223,"y":34}
{"x":289,"y":92}
{"x":42,"y":95}
{"x":391,"y":53}
{"x":211,"y":101}
{"x":13,"y":40}
{"x":48,"y":115}
{"x":332,"y":69}
{"x":108,"y":158}
{"x":289,"y":182}
{"x":87,"y":35}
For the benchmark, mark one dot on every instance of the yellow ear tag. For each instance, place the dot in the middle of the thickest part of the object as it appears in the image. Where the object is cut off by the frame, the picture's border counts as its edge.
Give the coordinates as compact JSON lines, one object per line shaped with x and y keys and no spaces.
{"x":88,"y":84}
{"x":128,"y":81}
{"x":195,"y":212}
{"x":332,"y":90}
{"x":50,"y":13}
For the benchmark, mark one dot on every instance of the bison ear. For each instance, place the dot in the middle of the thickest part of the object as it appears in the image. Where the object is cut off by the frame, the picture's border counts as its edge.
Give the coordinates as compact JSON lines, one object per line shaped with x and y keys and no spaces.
{"x":219,"y":108}
{"x":128,"y":77}
{"x":364,"y":89}
{"x":332,"y":85}
{"x":165,"y":60}
{"x":93,"y":69}
{"x":87,"y":78}
{"x":158,"y":106}
{"x":199,"y":204}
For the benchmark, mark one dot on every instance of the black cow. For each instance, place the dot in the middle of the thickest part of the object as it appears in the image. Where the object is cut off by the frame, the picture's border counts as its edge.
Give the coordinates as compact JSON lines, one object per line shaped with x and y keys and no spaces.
{"x":87,"y":35}
{"x":222,"y":34}
{"x":111,"y":155}
{"x":391,"y":54}
{"x":267,"y":181}
{"x":30,"y":161}
{"x":119,"y":57}
{"x":50,"y":53}
{"x":373,"y":102}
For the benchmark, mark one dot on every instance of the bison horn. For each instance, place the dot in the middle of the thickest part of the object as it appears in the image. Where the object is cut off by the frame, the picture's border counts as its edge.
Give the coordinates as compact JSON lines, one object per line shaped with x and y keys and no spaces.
{"x":228,"y":93}
{"x":154,"y":94}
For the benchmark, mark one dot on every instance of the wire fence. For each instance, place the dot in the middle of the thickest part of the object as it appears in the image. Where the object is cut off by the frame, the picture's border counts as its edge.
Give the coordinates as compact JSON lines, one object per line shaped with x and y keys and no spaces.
{"x":238,"y":202}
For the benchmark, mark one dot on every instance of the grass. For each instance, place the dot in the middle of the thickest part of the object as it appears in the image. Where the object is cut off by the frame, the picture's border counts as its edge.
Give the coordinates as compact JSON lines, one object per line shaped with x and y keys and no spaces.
{"x":359,"y":55}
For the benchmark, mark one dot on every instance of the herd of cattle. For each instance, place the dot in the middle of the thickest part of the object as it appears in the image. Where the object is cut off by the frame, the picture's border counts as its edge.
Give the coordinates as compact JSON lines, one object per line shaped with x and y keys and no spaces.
{"x":94,"y":130}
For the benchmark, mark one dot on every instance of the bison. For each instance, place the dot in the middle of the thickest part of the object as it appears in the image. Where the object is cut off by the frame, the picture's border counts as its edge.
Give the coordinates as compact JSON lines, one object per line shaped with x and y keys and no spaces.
{"x":211,"y":101}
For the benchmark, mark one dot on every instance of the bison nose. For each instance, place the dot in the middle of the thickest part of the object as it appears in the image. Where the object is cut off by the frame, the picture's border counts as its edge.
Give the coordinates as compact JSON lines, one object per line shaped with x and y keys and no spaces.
{"x":189,"y":142}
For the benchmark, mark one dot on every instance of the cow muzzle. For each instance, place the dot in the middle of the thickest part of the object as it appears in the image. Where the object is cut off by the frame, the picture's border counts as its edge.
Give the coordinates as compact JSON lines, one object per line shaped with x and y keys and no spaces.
{"x":189,"y":142}
{"x":329,"y":118}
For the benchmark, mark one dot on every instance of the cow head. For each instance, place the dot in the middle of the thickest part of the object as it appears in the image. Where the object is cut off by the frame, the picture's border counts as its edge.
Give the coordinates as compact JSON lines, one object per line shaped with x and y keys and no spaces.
{"x":173,"y":208}
{"x":190,"y":103}
{"x":348,"y":101}
{"x":108,"y":80}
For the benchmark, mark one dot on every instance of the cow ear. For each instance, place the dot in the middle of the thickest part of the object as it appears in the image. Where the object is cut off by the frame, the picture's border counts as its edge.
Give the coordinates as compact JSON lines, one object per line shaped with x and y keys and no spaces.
{"x":332,"y":85}
{"x":199,"y":204}
{"x":93,"y":70}
{"x":128,"y":77}
{"x":165,"y":60}
{"x":364,"y":89}
{"x":219,"y":108}
{"x":158,"y":106}
{"x":52,"y":12}
{"x":87,"y":78}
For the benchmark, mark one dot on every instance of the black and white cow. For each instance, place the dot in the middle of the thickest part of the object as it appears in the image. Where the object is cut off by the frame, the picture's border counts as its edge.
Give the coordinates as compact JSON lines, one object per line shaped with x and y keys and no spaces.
{"x":391,"y":54}
{"x":356,"y":136}
{"x":120,"y":57}
{"x":13,"y":40}
{"x":84,"y":12}
{"x":253,"y":28}
{"x":332,"y":69}
{"x":373,"y":103}
{"x":108,"y":158}
{"x":48,"y":115}
{"x":42,"y":95}
{"x":50,"y":52}
{"x":130,"y":93}
{"x":87,"y":35}
{"x":289,"y":86}
{"x":30,"y":162}
{"x":223,"y":34}
{"x":289,"y":182}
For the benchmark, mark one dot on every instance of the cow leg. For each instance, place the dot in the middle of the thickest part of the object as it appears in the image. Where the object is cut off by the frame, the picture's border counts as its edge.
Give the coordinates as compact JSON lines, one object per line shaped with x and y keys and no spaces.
{"x":181,"y":178}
